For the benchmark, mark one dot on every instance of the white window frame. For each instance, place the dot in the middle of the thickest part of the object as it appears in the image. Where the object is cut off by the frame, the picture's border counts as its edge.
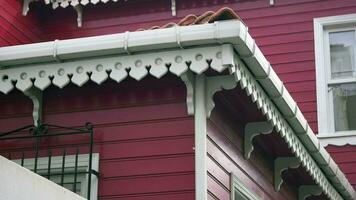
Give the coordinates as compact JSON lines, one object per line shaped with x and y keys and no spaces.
{"x":56,"y":163}
{"x":323,"y":26}
{"x":237,"y":185}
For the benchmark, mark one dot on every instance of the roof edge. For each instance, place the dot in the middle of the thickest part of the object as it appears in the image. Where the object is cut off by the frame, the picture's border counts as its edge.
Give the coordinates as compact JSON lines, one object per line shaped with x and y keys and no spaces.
{"x":222,"y":32}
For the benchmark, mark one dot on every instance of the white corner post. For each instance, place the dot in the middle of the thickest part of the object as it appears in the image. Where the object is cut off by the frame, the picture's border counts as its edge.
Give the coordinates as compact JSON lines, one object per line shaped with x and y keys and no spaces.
{"x":200,"y":117}
{"x":204,"y":90}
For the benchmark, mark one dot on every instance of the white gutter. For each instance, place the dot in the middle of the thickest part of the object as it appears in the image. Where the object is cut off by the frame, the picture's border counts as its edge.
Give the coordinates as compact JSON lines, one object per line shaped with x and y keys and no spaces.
{"x":223,"y":32}
{"x":122,"y":43}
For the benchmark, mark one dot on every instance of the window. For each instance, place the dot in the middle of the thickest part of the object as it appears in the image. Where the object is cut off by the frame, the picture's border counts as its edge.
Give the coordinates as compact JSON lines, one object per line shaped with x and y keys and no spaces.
{"x":239,"y":191}
{"x":335,"y":50}
{"x":69,"y":177}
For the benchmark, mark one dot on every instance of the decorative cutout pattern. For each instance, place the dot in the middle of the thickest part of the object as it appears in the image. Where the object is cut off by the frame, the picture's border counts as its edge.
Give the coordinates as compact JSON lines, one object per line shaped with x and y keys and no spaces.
{"x":215,"y":84}
{"x":117,"y":68}
{"x":253,"y":89}
{"x":281,"y":164}
{"x":252,"y":130}
{"x":66,"y":3}
{"x":77,"y":5}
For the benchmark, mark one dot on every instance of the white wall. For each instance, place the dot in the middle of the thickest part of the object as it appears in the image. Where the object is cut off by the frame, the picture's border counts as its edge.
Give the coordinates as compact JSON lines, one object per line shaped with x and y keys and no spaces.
{"x":18,"y":183}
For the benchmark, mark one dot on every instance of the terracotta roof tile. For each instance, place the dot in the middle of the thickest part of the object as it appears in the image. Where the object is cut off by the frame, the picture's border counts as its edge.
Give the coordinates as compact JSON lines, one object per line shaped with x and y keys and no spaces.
{"x":224,"y":13}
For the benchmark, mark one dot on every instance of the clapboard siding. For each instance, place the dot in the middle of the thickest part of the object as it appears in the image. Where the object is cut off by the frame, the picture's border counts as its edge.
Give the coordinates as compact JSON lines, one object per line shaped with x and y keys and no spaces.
{"x":225,"y":156}
{"x":284,"y":33}
{"x":345,"y":157}
{"x":17,"y":29}
{"x":141,"y":131}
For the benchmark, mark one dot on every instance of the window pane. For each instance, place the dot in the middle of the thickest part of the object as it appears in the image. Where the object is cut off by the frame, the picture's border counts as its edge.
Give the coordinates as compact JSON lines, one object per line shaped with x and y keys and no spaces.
{"x":342,"y":55}
{"x":68,"y":178}
{"x":344,"y":97}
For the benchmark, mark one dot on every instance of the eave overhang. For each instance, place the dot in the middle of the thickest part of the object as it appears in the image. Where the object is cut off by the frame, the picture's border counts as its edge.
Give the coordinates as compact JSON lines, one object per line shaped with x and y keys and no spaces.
{"x":219,"y":46}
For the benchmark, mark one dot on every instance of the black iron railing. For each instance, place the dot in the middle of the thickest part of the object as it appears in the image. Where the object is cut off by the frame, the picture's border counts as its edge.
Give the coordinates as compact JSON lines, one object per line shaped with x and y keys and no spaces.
{"x":30,"y":144}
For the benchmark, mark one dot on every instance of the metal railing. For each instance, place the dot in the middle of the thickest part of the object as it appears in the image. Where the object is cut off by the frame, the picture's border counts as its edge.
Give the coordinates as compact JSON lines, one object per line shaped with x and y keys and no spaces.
{"x":31,"y":144}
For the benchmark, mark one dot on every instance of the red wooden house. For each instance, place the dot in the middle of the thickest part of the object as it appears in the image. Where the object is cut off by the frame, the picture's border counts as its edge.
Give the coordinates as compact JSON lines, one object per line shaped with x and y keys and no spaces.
{"x":205,"y":99}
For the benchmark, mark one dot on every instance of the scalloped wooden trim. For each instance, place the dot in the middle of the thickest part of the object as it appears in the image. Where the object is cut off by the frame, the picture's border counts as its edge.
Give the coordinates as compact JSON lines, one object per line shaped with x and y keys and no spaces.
{"x":77,"y":5}
{"x":32,"y":79}
{"x":339,"y":139}
{"x":269,"y":109}
{"x":116,"y":67}
{"x":281,"y":164}
{"x":252,"y":130}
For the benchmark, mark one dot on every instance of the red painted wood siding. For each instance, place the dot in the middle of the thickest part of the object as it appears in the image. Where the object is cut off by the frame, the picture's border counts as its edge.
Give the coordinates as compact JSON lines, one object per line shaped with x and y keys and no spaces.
{"x":345,"y":157}
{"x":225,"y":156}
{"x":142,"y":134}
{"x":17,"y":29}
{"x":284,"y":32}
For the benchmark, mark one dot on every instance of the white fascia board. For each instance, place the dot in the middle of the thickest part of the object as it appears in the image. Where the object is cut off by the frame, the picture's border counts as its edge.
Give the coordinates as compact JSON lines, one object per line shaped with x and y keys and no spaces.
{"x":123,"y":43}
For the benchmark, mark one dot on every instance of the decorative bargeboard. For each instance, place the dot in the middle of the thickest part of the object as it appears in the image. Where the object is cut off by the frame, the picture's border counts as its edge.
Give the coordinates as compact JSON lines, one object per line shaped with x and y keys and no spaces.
{"x":77,"y":5}
{"x":116,"y":67}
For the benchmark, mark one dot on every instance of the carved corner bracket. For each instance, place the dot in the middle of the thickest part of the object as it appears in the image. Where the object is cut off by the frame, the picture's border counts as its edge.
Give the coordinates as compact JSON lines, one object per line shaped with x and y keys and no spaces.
{"x":281,"y":164}
{"x":188,"y":78}
{"x":215,"y":84}
{"x":252,"y":130}
{"x":36,"y":96}
{"x":305,"y":191}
